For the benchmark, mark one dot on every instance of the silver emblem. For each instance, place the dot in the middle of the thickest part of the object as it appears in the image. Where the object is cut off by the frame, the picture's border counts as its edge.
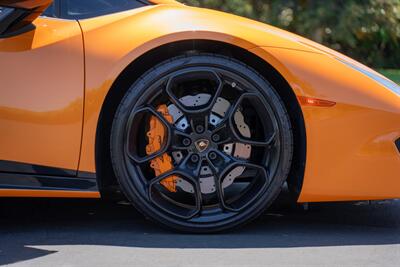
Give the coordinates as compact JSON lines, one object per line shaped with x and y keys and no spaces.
{"x":202,"y":144}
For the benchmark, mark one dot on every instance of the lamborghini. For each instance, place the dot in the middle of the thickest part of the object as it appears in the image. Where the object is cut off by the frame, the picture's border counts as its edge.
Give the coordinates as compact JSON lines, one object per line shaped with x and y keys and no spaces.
{"x":199,"y":117}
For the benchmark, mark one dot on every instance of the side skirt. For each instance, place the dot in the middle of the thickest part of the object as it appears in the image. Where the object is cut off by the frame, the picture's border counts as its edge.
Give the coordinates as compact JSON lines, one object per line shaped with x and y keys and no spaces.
{"x":33,"y":185}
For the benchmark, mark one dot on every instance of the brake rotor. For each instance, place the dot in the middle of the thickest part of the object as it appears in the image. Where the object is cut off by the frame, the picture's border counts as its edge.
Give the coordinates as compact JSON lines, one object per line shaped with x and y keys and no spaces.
{"x":243,"y":151}
{"x":173,"y":115}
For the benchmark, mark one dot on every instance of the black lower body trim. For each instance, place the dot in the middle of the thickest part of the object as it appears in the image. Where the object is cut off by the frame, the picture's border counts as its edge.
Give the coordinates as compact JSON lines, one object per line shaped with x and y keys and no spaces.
{"x":42,"y":182}
{"x":398,"y":144}
{"x":20,"y":167}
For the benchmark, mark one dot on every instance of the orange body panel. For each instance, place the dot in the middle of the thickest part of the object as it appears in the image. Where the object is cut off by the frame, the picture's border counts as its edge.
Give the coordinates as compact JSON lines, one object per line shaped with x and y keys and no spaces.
{"x":41,"y":95}
{"x":351,"y":153}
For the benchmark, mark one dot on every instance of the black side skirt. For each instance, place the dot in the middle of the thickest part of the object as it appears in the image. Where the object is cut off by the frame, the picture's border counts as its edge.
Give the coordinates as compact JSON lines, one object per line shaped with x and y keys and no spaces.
{"x":41,"y":182}
{"x":16,"y":175}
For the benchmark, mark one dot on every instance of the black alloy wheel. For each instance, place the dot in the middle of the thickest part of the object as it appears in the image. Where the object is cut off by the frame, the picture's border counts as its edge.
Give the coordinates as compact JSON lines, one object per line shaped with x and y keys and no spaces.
{"x":226,"y":134}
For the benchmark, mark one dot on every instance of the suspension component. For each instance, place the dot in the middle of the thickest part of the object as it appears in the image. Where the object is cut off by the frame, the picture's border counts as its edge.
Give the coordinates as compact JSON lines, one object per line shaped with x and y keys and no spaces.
{"x":156,"y":138}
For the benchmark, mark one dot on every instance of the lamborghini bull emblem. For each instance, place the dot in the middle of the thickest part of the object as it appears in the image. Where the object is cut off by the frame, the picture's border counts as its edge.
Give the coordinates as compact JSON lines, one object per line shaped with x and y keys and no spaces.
{"x":202,"y":145}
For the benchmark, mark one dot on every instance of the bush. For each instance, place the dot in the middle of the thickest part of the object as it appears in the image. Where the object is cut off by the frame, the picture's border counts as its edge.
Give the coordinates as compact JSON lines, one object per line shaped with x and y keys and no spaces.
{"x":367,"y":30}
{"x":392,"y":74}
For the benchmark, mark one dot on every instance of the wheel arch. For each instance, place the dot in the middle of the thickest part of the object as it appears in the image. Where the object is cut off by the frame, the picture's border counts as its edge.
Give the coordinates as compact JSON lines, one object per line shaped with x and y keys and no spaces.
{"x":106,"y":177}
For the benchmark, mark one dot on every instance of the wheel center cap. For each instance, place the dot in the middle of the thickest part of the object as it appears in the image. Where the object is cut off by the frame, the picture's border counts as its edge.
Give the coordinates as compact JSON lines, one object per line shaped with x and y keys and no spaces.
{"x":202,"y":145}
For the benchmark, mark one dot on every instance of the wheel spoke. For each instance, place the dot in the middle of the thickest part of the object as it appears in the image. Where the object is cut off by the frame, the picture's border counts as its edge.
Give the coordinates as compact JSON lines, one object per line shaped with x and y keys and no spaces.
{"x":191,"y":170}
{"x":233,"y":108}
{"x":228,"y":129}
{"x":186,"y":110}
{"x":174,"y":137}
{"x":219,"y":174}
{"x":179,"y":139}
{"x":226,"y":126}
{"x":133,"y":155}
{"x":260,"y":190}
{"x":220,"y":166}
{"x":169,"y":208}
{"x":197,"y":117}
{"x":267,"y":143}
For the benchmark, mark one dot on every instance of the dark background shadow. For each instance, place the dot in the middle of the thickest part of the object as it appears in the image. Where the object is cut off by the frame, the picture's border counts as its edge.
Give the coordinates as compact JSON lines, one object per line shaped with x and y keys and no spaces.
{"x":30,"y":222}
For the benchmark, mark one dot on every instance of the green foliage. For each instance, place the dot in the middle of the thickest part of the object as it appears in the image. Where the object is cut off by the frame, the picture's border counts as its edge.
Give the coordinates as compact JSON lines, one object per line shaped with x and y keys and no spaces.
{"x":367,"y":30}
{"x":394,"y":75}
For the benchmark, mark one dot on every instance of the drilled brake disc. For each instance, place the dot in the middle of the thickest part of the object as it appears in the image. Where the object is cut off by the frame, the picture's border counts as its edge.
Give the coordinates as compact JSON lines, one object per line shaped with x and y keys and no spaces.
{"x":207,"y":180}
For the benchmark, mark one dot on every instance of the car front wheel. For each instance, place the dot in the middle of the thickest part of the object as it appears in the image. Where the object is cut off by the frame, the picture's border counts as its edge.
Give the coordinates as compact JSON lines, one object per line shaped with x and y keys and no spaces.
{"x":201,"y":143}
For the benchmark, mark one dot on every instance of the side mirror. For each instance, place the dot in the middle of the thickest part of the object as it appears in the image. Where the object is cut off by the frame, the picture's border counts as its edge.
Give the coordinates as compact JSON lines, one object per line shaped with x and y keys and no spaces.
{"x":16,"y":16}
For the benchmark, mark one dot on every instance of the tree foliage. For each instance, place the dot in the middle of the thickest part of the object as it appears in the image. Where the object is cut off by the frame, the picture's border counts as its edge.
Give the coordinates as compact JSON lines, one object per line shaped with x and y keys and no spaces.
{"x":368,"y":30}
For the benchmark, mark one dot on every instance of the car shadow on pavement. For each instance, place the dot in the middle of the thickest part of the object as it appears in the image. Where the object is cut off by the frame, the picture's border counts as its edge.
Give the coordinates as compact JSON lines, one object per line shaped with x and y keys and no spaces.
{"x":26,"y":223}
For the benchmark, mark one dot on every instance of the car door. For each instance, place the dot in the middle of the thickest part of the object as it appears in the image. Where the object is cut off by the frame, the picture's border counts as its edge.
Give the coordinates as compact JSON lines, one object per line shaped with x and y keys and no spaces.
{"x":41,"y":97}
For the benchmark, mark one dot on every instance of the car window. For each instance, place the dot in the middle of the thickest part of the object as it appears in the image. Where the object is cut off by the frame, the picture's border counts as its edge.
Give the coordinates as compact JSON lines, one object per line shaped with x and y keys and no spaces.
{"x":50,"y":11}
{"x":79,"y":9}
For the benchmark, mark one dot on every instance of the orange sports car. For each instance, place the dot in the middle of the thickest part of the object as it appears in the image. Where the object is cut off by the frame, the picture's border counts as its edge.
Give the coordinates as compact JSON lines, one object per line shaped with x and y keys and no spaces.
{"x":198,"y":116}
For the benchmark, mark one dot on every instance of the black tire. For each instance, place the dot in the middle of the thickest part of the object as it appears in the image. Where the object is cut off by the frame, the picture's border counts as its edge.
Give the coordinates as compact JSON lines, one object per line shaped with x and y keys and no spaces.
{"x":128,"y":172}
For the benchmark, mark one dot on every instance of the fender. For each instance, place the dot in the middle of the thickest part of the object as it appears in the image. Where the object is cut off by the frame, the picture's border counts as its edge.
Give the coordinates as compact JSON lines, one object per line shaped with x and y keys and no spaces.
{"x":113,"y":42}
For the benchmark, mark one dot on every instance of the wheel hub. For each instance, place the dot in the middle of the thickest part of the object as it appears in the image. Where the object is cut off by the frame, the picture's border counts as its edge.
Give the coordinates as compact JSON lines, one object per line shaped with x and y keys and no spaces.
{"x":202,"y":145}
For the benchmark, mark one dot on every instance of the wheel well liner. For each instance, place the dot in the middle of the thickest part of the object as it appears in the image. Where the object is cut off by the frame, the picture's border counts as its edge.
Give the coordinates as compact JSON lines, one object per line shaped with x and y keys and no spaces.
{"x":106,"y":177}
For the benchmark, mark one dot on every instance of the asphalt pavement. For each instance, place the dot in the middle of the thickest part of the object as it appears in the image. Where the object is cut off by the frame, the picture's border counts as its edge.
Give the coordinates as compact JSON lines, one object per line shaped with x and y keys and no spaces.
{"x":51,"y":232}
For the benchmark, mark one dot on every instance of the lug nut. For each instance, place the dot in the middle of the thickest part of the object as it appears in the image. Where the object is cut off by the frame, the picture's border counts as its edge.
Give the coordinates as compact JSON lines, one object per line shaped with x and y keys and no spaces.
{"x":212,"y":155}
{"x":195,"y":158}
{"x":186,"y":142}
{"x":199,"y":128}
{"x":216,"y":138}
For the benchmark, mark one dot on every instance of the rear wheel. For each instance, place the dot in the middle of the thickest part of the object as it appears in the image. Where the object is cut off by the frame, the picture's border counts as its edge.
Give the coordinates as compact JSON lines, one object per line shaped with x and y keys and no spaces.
{"x":201,"y":143}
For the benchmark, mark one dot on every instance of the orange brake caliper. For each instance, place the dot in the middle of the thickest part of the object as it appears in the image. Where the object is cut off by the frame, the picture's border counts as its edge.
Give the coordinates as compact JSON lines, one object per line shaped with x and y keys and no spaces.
{"x":156,"y":136}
